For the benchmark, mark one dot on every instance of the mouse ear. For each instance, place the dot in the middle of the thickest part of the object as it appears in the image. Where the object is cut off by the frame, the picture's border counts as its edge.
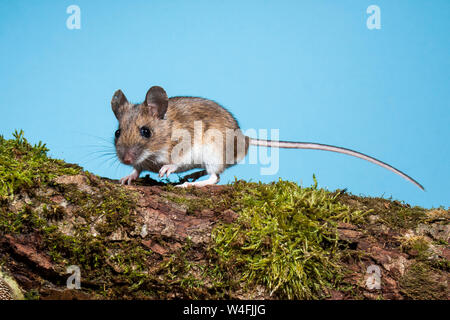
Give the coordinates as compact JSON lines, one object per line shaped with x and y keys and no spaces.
{"x":118,"y":102}
{"x":157,"y":101}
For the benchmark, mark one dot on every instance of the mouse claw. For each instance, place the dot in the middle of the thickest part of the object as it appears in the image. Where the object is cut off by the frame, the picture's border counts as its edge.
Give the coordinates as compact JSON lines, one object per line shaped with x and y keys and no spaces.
{"x":125,"y":181}
{"x":167,"y":169}
{"x":130,"y":178}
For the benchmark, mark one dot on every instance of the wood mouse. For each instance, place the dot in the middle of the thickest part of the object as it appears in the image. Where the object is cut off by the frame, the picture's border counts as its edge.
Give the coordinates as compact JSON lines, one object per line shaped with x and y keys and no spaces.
{"x":171,"y":135}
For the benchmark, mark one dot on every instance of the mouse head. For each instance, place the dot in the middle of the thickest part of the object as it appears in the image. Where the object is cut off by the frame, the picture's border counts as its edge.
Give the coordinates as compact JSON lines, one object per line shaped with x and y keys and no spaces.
{"x":143,"y":132}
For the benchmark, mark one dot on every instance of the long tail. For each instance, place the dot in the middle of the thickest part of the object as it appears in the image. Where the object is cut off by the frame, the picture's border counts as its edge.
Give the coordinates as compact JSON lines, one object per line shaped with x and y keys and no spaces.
{"x":319,"y":146}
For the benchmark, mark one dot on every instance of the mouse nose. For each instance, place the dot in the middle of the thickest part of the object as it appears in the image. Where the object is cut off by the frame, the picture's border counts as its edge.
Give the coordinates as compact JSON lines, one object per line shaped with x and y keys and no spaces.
{"x":128,"y":158}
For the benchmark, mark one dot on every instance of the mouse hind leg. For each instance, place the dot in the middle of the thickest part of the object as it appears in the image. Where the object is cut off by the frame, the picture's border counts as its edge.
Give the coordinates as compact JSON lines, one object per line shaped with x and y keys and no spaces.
{"x":213,"y":162}
{"x":213,"y":179}
{"x":213,"y":170}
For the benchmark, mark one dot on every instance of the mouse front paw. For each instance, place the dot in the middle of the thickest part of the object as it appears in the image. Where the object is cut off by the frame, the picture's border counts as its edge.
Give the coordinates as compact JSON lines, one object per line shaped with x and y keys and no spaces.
{"x":167,"y":169}
{"x":130,"y":178}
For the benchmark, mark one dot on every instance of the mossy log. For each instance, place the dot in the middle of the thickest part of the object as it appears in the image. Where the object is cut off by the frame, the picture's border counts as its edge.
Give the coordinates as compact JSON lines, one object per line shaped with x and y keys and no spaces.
{"x":238,"y":241}
{"x":111,"y":232}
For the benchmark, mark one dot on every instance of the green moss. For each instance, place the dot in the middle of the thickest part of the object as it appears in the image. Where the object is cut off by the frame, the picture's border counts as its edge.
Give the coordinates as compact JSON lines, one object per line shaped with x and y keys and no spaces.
{"x":24,"y":166}
{"x":404,"y":217}
{"x":421,"y":282}
{"x":285,"y":238}
{"x":33,"y":294}
{"x":394,"y":214}
{"x":24,"y":221}
{"x":178,"y":272}
{"x":113,"y":204}
{"x":194,"y":200}
{"x":416,"y":245}
{"x":98,"y":257}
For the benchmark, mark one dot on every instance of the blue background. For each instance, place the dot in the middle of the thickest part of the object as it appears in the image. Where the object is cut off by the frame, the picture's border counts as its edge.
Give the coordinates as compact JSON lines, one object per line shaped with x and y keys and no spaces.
{"x":309,"y":68}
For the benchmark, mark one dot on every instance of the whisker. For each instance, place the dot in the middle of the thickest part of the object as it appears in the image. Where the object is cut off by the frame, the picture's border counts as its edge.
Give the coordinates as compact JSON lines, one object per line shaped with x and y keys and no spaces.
{"x":93,"y":136}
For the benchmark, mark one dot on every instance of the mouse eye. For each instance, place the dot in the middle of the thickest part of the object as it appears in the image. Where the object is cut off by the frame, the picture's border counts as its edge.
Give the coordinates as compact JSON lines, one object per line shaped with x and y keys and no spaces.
{"x":145,"y":132}
{"x":117,"y":134}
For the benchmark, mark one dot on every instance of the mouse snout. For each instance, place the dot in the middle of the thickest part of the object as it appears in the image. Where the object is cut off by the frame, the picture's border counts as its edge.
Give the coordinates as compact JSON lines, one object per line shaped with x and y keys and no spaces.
{"x":128,"y":155}
{"x":128,"y":158}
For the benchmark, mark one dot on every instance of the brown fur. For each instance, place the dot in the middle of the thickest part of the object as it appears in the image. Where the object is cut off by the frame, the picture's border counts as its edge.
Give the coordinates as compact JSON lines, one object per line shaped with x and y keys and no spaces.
{"x":181,"y":113}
